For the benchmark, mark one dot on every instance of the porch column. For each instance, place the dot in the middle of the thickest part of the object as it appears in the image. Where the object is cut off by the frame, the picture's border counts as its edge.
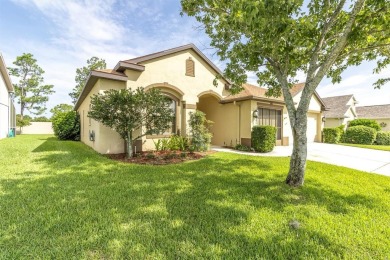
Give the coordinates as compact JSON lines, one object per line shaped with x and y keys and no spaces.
{"x":186,"y":109}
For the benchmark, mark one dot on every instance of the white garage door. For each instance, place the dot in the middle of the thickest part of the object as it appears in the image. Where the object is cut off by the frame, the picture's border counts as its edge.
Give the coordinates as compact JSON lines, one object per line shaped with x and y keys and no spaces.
{"x":311,"y":127}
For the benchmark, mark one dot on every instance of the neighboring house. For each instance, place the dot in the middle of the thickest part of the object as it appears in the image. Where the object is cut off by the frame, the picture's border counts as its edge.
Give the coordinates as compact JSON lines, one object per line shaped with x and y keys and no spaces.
{"x":189,"y":79}
{"x":339,"y":110}
{"x":380,"y":113}
{"x":7,"y":108}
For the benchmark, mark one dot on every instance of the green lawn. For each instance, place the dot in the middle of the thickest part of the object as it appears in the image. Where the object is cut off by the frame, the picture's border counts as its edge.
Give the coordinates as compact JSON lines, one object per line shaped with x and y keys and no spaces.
{"x":370,"y":146}
{"x":61,"y":200}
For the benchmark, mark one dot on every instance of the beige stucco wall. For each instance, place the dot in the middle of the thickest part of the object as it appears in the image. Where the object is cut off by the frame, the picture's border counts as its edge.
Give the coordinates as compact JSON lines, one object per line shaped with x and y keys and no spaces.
{"x":386,"y":121}
{"x":106,"y":140}
{"x":225,"y":128}
{"x":333,"y":122}
{"x":171,"y":69}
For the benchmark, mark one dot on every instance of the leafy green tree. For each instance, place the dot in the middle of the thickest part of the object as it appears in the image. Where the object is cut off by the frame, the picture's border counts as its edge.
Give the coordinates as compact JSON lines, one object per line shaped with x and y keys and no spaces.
{"x":30,"y":92}
{"x":22,"y":121}
{"x":82,"y":74}
{"x":276,"y":39}
{"x":132,"y":114}
{"x":61,"y":108}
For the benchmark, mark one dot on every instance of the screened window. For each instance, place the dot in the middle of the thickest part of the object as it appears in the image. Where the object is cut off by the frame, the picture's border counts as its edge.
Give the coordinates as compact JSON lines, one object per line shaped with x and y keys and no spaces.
{"x":271,"y":117}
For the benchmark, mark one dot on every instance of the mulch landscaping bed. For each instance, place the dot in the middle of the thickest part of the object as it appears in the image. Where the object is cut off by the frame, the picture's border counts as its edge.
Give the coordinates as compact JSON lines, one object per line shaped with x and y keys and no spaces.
{"x":160,"y":158}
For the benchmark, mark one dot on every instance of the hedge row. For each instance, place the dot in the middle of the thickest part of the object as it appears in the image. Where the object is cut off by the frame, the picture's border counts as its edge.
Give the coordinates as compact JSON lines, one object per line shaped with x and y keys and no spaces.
{"x":360,"y":135}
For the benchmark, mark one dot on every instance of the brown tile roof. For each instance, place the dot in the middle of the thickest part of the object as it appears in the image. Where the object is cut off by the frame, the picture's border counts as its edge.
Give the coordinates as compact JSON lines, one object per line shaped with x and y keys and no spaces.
{"x":297,"y":88}
{"x":254,"y":92}
{"x":93,"y":78}
{"x":336,"y":106}
{"x":251,"y":92}
{"x":372,"y":112}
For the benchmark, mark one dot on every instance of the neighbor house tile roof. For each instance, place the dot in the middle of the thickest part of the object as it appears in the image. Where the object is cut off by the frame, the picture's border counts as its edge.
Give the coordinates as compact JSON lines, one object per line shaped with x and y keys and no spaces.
{"x":372,"y":112}
{"x":336,"y":106}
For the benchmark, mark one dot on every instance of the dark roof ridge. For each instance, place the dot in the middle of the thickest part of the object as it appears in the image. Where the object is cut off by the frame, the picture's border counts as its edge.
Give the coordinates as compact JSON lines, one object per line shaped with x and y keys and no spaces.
{"x":339,"y":96}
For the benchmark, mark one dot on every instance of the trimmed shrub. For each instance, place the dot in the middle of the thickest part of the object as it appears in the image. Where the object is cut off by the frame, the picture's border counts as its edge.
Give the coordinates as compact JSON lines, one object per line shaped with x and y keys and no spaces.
{"x":365,"y":122}
{"x":332,"y":135}
{"x":66,"y":125}
{"x":263,"y":138}
{"x":199,"y":129}
{"x":360,"y":135}
{"x":383,"y":138}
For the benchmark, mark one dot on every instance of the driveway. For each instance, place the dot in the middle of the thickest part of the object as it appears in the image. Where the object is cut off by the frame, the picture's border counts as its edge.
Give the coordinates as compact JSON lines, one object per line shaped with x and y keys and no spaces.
{"x":352,"y":157}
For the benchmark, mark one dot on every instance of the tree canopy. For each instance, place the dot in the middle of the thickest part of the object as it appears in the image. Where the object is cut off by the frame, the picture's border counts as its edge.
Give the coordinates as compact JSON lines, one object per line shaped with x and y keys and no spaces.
{"x":132,"y":113}
{"x":82,"y":74}
{"x":30,"y":91}
{"x":61,"y":108}
{"x":277,"y":39}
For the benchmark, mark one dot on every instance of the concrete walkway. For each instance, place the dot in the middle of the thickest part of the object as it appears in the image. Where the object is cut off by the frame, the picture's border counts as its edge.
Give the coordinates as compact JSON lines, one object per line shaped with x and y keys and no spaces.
{"x":368,"y":160}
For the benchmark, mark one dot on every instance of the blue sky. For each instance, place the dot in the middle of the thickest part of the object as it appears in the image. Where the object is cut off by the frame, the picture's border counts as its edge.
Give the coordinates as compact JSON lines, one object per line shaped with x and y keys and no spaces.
{"x":63,"y":34}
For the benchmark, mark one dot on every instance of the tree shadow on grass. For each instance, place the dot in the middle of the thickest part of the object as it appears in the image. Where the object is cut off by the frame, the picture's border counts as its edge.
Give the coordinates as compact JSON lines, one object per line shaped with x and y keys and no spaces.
{"x":96,"y":208}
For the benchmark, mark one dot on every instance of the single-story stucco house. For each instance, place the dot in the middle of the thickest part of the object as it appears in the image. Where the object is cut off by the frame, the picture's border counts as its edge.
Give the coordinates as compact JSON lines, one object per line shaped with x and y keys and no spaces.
{"x":7,"y":107}
{"x":379,"y":113}
{"x":186,"y":76}
{"x":339,"y":110}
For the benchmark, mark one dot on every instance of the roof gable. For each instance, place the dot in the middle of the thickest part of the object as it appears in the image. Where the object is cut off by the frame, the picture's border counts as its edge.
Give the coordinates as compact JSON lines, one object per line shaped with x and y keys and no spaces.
{"x":337,"y":106}
{"x":136,"y":63}
{"x":93,"y":78}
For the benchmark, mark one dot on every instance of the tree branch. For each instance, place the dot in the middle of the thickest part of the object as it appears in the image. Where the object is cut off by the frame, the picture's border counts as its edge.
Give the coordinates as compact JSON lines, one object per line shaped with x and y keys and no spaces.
{"x":327,"y":26}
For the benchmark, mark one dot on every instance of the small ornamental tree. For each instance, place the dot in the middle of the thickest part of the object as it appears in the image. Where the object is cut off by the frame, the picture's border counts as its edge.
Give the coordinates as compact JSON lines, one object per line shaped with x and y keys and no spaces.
{"x":199,"y":131}
{"x":132,"y":113}
{"x":22,"y":121}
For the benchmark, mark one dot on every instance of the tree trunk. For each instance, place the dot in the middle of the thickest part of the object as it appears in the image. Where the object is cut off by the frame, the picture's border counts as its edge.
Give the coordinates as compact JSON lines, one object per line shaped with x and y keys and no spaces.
{"x":296,"y":173}
{"x":129,"y":150}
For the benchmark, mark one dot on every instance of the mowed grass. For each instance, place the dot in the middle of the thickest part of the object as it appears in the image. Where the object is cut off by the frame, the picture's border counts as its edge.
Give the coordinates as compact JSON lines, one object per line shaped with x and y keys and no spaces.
{"x":370,"y":146}
{"x":61,"y":200}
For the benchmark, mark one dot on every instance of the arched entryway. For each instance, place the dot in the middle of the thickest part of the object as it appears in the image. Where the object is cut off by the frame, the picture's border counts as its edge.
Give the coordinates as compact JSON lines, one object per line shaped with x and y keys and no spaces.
{"x":209,"y":103}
